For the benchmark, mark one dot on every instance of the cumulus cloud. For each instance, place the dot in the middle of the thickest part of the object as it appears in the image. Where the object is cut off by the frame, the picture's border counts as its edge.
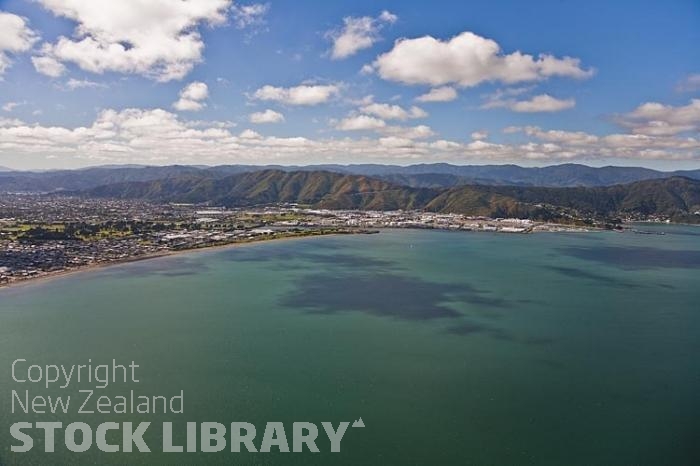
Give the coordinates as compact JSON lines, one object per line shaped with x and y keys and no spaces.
{"x":393,"y":112}
{"x":468,"y":60}
{"x":542,"y":103}
{"x":268,"y":116}
{"x":388,"y":17}
{"x":568,"y":145}
{"x":192,"y":97}
{"x":438,"y":94}
{"x":375,"y":123}
{"x":306,"y":94}
{"x":10,"y":122}
{"x":360,"y":123}
{"x":158,"y":136}
{"x":656,"y":119}
{"x":479,"y":135}
{"x":373,"y":116}
{"x":250,"y":15}
{"x":556,"y":136}
{"x":409,"y":132}
{"x":358,"y":34}
{"x":538,"y":103}
{"x":48,"y":65}
{"x":249,"y":134}
{"x":16,"y":37}
{"x":158,"y":39}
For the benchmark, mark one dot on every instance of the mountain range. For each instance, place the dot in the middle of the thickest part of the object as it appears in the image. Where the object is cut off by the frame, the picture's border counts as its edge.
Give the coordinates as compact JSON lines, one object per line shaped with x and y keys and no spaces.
{"x":556,"y":192}
{"x":677,"y":198}
{"x":439,"y":175}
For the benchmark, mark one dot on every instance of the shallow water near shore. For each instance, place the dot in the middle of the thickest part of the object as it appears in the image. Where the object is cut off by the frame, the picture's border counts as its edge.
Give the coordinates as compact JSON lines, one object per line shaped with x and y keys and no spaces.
{"x":454,"y":348}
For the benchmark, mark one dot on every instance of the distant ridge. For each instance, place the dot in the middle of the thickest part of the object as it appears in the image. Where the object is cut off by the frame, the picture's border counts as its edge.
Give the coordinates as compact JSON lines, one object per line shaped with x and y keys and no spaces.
{"x":438,"y":175}
{"x":676,"y":197}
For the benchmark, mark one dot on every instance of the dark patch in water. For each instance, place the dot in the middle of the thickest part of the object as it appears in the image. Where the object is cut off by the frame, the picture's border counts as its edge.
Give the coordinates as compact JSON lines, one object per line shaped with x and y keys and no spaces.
{"x":527,"y":301}
{"x":587,"y":236}
{"x":602,"y":279}
{"x":686,"y":230}
{"x":466,"y":329}
{"x":584,"y":274}
{"x":635,"y":258}
{"x":383,"y":294}
{"x":347,"y":260}
{"x":683,"y":232}
{"x":279,"y":256}
{"x":167,"y":267}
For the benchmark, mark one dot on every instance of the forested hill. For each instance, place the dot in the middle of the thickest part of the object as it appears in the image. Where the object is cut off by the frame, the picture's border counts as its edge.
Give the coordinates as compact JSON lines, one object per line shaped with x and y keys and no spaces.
{"x":676,"y":197}
{"x":437,"y":175}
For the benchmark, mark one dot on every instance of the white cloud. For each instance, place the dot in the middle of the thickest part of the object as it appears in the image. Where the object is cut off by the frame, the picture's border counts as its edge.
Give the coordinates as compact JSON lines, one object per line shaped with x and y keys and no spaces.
{"x":393,"y":112}
{"x":508,"y":92}
{"x":366,"y":70}
{"x":557,"y":136}
{"x":268,"y":116}
{"x":409,"y":132}
{"x":307,"y":94}
{"x":249,"y":134}
{"x":192,"y":97}
{"x":388,"y":17}
{"x":689,"y":84}
{"x":158,"y":39}
{"x":358,"y":34}
{"x":16,"y":37}
{"x":360,"y":123}
{"x":543,"y":103}
{"x":656,"y":119}
{"x":468,"y":60}
{"x":438,"y":94}
{"x":10,"y":122}
{"x":159,"y":137}
{"x":250,"y":15}
{"x":538,"y":103}
{"x":188,"y":105}
{"x":376,"y":123}
{"x":73,"y":84}
{"x":9,"y":106}
{"x":46,"y":64}
{"x":480,"y":135}
{"x":366,"y":100}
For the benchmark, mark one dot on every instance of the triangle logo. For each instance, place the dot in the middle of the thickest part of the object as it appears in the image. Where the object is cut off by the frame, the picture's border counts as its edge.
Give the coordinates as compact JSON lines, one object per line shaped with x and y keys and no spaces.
{"x":358,"y":423}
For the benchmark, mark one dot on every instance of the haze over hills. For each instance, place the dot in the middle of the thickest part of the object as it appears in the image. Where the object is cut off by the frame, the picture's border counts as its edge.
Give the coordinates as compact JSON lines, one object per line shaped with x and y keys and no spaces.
{"x":676,"y":197}
{"x":440,"y":175}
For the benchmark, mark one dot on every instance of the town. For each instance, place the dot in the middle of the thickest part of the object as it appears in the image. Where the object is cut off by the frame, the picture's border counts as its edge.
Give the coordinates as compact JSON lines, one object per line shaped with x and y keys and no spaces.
{"x":42,"y":235}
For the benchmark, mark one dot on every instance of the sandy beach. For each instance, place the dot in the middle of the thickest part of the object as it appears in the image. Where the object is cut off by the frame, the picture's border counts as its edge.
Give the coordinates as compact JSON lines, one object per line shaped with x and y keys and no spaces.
{"x":46,"y":276}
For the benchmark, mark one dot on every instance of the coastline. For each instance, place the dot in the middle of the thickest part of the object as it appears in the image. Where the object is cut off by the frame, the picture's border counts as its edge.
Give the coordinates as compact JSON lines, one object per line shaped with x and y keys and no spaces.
{"x":46,"y":276}
{"x":92,"y":267}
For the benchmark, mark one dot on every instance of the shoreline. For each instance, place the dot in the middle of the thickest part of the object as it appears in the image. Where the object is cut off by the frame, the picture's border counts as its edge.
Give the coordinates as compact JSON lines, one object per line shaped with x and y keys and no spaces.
{"x":47,"y":276}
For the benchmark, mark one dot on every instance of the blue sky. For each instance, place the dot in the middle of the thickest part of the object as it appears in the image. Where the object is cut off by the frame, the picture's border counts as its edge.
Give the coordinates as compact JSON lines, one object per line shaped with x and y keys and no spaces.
{"x":217,"y":82}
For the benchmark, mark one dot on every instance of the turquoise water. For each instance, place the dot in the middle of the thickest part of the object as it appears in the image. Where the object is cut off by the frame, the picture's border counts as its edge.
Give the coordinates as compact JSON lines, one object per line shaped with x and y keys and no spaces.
{"x":454,"y":348}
